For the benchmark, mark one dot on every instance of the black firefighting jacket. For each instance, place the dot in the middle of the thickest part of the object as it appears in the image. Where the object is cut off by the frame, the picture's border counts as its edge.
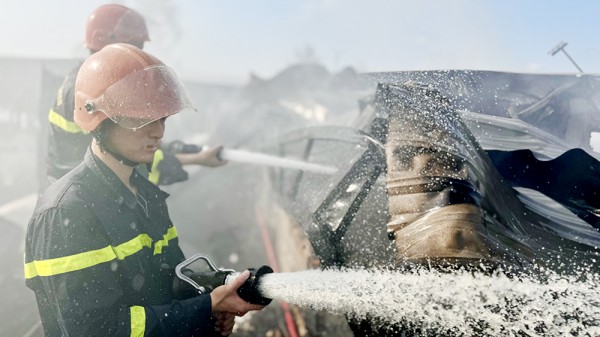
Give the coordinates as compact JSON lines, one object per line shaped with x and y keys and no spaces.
{"x":100,"y":259}
{"x":67,"y":142}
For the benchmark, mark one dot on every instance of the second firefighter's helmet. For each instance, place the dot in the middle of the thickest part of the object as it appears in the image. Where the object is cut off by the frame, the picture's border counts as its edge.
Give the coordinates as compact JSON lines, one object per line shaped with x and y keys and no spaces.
{"x":115,"y":24}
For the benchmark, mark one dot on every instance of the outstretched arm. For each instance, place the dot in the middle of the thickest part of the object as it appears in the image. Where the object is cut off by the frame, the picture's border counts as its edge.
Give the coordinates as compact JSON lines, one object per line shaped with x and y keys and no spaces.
{"x":207,"y":157}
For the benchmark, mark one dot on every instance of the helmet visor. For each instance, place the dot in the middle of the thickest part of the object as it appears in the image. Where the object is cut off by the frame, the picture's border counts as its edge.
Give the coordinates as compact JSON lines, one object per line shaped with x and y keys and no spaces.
{"x":143,"y":97}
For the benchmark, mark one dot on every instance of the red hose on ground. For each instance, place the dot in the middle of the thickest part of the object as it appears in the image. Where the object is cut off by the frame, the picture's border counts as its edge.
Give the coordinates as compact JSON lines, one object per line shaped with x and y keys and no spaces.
{"x":268,"y":244}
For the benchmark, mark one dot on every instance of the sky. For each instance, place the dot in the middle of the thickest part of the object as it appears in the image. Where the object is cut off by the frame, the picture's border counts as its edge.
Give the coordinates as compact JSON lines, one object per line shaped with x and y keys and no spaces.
{"x":224,"y":41}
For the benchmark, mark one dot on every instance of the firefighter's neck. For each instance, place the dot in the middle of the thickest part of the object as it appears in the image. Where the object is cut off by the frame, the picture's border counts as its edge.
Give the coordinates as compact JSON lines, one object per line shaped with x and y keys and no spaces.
{"x":122,"y":170}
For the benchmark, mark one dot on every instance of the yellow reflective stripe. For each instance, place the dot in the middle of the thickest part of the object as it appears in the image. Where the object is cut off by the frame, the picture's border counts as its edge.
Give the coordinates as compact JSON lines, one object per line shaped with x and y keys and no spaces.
{"x":138,"y":321}
{"x":66,"y":264}
{"x":58,"y":120}
{"x":132,"y":246}
{"x":84,"y":260}
{"x":171,"y":234}
{"x":30,"y":271}
{"x":154,"y":174}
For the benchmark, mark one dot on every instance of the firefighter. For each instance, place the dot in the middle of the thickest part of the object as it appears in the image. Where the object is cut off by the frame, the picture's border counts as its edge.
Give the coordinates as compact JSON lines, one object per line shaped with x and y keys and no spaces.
{"x":100,"y":246}
{"x":67,"y":142}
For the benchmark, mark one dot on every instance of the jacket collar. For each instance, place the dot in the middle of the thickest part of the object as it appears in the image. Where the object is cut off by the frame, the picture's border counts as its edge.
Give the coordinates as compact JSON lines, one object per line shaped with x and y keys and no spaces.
{"x":123,"y":194}
{"x":109,"y":179}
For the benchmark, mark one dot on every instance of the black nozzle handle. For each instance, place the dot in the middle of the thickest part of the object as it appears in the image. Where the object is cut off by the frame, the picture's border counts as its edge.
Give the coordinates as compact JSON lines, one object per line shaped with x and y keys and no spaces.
{"x":205,"y":282}
{"x":200,"y":288}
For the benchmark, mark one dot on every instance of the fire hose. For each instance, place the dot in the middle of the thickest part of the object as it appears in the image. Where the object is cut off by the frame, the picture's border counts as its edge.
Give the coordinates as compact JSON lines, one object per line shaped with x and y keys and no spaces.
{"x":249,"y":157}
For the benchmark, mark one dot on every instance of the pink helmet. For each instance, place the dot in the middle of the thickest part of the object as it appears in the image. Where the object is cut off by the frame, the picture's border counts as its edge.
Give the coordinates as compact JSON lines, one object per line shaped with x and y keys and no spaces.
{"x":115,"y":24}
{"x":127,"y":85}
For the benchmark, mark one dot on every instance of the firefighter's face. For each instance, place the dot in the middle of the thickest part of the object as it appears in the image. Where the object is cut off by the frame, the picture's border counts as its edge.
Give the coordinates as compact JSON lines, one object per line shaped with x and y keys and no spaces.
{"x":137,"y":145}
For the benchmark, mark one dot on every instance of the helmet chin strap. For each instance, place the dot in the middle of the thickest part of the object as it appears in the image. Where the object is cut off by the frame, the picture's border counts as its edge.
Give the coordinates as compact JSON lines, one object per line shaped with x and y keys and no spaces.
{"x":120,"y":158}
{"x":99,"y":137}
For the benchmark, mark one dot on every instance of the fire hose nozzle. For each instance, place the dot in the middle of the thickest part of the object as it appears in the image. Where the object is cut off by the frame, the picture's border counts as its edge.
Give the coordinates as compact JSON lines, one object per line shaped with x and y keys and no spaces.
{"x":205,"y":282}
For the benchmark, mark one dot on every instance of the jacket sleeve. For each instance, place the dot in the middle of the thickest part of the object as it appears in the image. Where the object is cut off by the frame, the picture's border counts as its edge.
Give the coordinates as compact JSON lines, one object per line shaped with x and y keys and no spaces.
{"x":75,"y":274}
{"x":166,"y":169}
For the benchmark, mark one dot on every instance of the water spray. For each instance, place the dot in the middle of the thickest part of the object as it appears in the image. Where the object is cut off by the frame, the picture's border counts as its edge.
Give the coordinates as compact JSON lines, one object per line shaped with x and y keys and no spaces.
{"x":249,"y":157}
{"x":457,"y":303}
{"x":207,"y":281}
{"x":426,"y":301}
{"x":268,"y":160}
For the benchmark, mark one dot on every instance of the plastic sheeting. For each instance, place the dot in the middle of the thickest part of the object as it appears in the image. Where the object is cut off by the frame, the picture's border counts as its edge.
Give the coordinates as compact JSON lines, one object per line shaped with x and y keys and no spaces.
{"x":546,"y":114}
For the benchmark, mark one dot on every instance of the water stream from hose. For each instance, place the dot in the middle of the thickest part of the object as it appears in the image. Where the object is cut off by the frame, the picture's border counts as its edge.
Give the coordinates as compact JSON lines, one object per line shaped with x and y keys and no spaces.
{"x":459,"y":303}
{"x":243,"y":156}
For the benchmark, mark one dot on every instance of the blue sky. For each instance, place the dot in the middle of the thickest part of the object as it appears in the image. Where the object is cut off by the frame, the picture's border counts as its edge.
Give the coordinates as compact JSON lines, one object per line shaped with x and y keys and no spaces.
{"x":226,"y":40}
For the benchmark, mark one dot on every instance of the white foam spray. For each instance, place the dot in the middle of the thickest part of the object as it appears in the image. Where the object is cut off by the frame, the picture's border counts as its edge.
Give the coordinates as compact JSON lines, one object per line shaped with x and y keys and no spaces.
{"x":269,"y":160}
{"x":459,"y":303}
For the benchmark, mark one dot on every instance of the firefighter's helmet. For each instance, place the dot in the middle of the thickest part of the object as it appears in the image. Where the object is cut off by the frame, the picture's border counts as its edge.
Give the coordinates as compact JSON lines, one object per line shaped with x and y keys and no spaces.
{"x":115,"y":24}
{"x":127,"y":85}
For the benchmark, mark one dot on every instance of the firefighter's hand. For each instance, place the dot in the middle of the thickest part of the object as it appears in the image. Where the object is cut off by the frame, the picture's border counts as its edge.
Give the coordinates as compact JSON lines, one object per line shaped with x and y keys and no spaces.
{"x":208,"y":157}
{"x":225,"y":298}
{"x":224,"y":323}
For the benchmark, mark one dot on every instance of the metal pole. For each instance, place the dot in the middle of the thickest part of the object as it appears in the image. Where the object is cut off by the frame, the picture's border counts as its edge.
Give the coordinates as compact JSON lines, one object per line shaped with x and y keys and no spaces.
{"x":561,"y":47}
{"x":570,"y":58}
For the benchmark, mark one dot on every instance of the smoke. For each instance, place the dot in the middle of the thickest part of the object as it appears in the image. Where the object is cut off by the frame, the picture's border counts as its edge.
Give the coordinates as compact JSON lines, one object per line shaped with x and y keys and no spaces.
{"x":163,"y":21}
